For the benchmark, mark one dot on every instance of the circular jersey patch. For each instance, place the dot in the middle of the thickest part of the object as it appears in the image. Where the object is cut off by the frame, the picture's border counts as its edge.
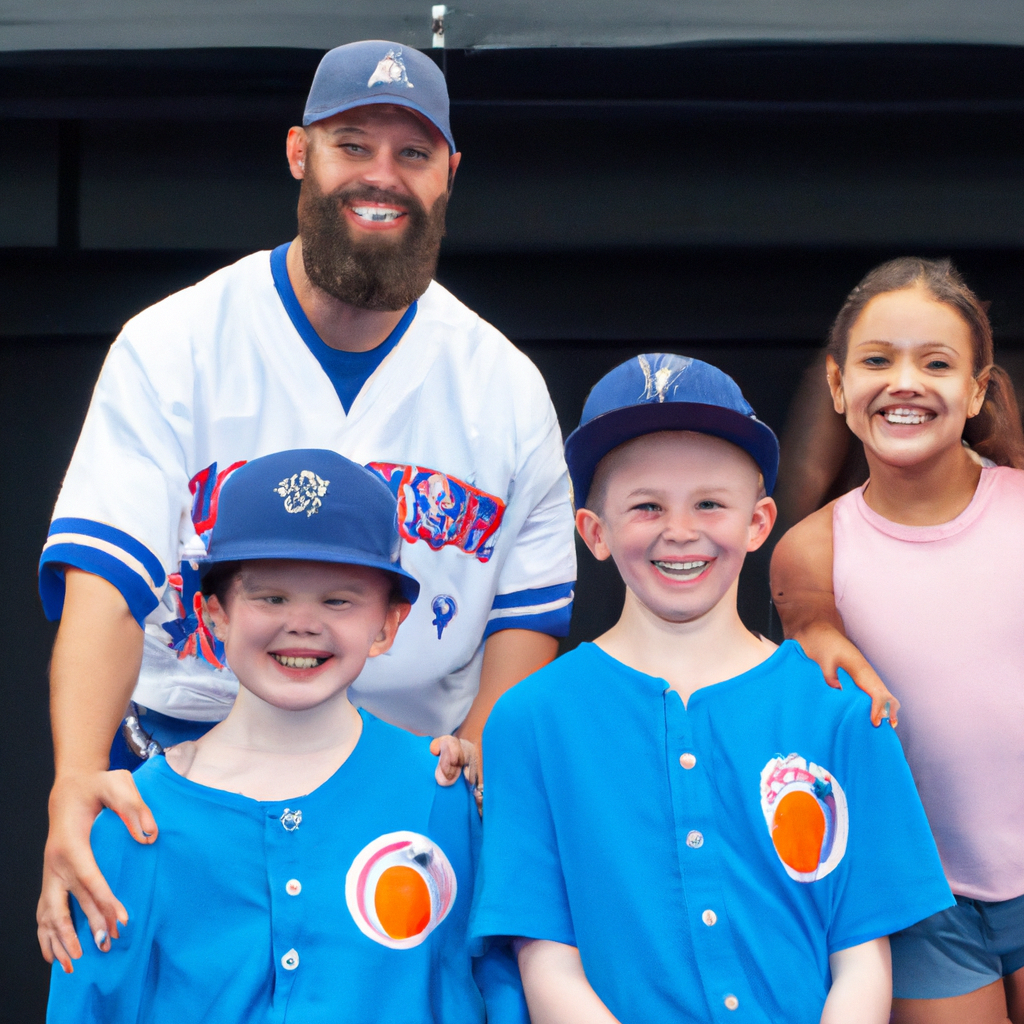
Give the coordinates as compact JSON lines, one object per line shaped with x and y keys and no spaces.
{"x":805,"y":810}
{"x":399,"y":889}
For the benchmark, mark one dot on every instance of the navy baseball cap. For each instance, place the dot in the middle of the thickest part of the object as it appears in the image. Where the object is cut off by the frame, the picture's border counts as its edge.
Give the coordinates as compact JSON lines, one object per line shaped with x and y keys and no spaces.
{"x":662,"y":391}
{"x":312,"y":505}
{"x":376,"y":71}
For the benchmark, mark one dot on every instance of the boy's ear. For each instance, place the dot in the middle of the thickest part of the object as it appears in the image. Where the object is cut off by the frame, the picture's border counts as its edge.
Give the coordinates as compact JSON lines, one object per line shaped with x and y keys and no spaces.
{"x":835,"y":384}
{"x":398,"y":612}
{"x":761,"y":522}
{"x":591,"y":529}
{"x":218,"y":616}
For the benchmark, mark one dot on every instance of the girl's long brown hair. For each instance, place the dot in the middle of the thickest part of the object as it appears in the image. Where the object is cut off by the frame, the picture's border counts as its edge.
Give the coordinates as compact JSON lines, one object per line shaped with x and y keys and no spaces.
{"x":996,"y":431}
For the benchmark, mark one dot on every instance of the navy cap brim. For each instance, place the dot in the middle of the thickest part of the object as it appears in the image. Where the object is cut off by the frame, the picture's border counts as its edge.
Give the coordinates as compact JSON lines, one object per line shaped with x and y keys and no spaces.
{"x":591,"y":442}
{"x":373,"y":101}
{"x":256,"y":550}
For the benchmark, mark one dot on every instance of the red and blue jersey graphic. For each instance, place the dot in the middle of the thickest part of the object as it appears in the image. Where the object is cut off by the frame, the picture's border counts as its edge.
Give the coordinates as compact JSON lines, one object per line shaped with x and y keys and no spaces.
{"x":190,"y":634}
{"x":442,"y":510}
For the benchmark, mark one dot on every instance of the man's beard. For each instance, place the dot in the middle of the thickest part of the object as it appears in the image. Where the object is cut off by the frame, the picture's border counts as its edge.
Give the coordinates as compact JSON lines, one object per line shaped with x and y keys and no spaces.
{"x":375,"y":272}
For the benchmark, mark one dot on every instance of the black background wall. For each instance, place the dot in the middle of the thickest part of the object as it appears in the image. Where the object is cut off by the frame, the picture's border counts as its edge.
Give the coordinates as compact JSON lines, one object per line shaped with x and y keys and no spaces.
{"x":716,"y":201}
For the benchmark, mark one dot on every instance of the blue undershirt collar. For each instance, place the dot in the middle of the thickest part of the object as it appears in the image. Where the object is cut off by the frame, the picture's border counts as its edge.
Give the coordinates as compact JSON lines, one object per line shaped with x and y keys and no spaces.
{"x":347,"y":371}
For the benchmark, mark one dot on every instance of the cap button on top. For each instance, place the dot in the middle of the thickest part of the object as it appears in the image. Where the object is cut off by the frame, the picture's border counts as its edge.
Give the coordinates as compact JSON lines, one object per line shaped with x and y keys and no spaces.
{"x":293,"y":887}
{"x":687,"y":761}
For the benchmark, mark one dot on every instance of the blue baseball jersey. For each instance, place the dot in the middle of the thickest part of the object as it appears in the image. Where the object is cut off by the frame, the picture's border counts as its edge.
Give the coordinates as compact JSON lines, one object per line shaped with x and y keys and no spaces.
{"x":705,"y":859}
{"x":348,"y":904}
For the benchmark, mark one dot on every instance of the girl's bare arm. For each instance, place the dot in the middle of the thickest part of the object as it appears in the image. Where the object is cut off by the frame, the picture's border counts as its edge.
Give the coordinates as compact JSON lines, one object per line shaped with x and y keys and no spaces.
{"x":801,"y":580}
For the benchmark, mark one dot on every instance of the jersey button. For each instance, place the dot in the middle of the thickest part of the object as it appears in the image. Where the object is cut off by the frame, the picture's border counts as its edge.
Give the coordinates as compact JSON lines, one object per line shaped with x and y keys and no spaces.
{"x":709,"y":917}
{"x":293,"y":887}
{"x":290,"y":960}
{"x":687,"y":761}
{"x":694,"y":840}
{"x":731,"y":1003}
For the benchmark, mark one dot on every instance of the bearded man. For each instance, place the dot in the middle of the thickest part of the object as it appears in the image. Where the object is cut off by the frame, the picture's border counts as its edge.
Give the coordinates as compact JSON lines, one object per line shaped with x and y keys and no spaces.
{"x":338,"y":340}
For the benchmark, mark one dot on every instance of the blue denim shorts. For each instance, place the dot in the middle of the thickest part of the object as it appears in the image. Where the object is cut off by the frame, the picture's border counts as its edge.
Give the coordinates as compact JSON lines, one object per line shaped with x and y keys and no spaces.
{"x":958,"y":950}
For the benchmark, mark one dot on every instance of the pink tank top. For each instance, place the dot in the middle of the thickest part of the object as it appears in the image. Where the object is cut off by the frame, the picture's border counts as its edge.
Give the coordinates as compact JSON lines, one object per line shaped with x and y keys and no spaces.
{"x":939,"y":613}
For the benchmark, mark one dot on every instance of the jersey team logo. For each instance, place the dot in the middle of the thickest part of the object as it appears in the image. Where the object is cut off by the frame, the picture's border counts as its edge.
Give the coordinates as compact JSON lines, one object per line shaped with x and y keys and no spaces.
{"x":390,"y":70}
{"x":302,"y":492}
{"x":399,"y":889}
{"x":441,"y":509}
{"x":805,"y":810}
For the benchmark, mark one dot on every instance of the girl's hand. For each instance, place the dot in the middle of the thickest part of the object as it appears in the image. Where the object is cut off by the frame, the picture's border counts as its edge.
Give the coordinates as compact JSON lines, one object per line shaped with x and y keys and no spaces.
{"x":833,"y":651}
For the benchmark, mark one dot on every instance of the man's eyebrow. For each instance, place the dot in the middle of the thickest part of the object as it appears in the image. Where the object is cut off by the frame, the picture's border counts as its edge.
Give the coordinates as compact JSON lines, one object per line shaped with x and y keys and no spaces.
{"x":342,"y":129}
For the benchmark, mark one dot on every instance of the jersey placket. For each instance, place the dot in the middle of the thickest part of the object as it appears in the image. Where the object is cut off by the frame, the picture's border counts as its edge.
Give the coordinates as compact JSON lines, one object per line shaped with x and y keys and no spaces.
{"x":285,"y":831}
{"x":698,"y":845}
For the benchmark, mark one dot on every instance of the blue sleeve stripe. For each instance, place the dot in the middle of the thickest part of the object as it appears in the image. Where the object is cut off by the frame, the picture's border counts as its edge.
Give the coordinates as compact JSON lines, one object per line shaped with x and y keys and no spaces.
{"x":136,"y":588}
{"x":542,"y":595}
{"x":111,"y":536}
{"x":554,"y":622}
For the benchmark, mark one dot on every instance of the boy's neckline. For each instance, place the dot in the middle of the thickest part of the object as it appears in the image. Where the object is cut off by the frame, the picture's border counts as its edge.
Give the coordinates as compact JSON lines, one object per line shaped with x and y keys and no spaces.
{"x":233,"y":796}
{"x":786,"y":648}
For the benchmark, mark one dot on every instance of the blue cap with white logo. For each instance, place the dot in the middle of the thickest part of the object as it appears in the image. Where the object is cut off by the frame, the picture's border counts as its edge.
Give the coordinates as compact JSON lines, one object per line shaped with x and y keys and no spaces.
{"x":311,"y":505}
{"x":376,"y":71}
{"x":661,"y":391}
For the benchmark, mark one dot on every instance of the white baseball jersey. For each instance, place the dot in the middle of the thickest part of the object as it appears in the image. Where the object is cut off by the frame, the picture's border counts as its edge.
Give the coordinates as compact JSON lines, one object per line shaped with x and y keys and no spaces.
{"x":455,"y":419}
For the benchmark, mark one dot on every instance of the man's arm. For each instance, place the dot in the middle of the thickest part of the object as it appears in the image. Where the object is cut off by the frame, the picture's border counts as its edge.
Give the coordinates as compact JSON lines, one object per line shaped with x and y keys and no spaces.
{"x":510,"y":655}
{"x":801,"y":581}
{"x":95,"y":666}
{"x":557,"y":990}
{"x":861,"y":990}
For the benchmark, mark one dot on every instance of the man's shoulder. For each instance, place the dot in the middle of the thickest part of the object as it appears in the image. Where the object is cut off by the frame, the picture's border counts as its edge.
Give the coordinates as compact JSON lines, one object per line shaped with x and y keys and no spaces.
{"x":201,"y":306}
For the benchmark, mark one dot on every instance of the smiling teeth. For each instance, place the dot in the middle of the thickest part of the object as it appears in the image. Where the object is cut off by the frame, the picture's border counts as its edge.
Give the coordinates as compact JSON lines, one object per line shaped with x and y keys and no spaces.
{"x":375,"y":213}
{"x":297,"y":662}
{"x":910,"y":416}
{"x":681,"y":570}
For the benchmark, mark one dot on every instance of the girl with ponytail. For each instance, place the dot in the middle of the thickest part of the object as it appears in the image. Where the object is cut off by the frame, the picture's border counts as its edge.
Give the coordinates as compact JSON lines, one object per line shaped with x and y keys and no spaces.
{"x":914,"y":585}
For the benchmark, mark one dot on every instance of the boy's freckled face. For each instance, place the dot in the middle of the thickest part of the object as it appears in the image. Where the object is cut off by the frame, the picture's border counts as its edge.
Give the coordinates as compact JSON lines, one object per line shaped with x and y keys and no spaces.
{"x":296,"y":633}
{"x":678,"y":516}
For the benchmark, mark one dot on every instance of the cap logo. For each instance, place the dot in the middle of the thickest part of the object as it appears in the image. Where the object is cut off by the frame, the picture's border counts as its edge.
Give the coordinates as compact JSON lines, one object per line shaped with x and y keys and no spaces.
{"x":302,"y":492}
{"x":390,"y":70}
{"x":656,"y":382}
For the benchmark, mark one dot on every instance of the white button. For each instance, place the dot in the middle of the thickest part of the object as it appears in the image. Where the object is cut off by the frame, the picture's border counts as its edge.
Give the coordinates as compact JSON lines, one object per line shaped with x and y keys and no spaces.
{"x":293,"y":887}
{"x":291,"y":960}
{"x":709,"y":917}
{"x":687,"y":761}
{"x":732,"y":1003}
{"x":694,"y":840}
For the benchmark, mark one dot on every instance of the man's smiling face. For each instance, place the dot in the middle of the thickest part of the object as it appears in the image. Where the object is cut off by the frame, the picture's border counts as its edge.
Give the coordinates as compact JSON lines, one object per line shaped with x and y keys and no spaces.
{"x":375,"y":183}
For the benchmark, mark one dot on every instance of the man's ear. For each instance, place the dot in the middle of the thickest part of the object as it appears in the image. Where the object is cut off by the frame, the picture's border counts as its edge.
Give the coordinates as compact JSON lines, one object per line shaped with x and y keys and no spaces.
{"x":835,"y":384}
{"x":297,"y":150}
{"x":398,"y":612}
{"x":761,"y":522}
{"x":592,"y":530}
{"x":453,"y":165}
{"x":218,"y":615}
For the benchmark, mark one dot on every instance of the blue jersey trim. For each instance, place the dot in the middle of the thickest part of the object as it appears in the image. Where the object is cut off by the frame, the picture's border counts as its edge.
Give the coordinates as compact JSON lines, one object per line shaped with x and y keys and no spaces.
{"x":543,"y":610}
{"x":542,"y":595}
{"x":347,"y":371}
{"x":111,"y":535}
{"x":134,"y":589}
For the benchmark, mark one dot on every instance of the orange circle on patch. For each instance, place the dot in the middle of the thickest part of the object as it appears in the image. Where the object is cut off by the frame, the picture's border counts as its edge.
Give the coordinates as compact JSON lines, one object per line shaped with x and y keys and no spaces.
{"x":402,"y":902}
{"x":799,"y":830}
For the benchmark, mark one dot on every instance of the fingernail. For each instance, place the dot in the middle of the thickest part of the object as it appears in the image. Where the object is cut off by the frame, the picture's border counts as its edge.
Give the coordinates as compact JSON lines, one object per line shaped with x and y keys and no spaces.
{"x":148,"y":835}
{"x":99,"y":938}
